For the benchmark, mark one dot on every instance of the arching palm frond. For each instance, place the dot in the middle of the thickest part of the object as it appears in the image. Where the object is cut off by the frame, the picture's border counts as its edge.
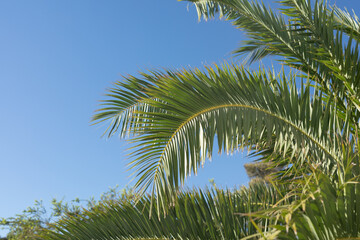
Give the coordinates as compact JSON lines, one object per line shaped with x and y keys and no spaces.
{"x":310,"y":39}
{"x":187,"y":110}
{"x":198,"y":214}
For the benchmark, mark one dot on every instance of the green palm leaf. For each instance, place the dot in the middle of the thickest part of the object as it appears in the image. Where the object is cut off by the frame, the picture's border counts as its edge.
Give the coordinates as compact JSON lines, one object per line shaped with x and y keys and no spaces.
{"x":185,"y":111}
{"x":198,"y":214}
{"x":347,"y":22}
{"x":310,"y":38}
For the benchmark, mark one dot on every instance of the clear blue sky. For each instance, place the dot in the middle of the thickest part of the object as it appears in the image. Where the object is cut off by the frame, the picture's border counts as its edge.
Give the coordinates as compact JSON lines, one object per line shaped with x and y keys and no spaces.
{"x":56,"y":60}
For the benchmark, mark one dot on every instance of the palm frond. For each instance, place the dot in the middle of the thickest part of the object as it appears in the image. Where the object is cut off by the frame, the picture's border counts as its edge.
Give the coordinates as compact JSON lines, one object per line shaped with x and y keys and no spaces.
{"x":126,"y":100}
{"x":186,"y":111}
{"x":309,"y":39}
{"x":336,"y":55}
{"x":197,"y":214}
{"x":347,"y":22}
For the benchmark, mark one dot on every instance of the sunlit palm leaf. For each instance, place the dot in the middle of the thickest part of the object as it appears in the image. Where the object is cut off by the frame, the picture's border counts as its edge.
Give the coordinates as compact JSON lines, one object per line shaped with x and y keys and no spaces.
{"x":347,"y":22}
{"x":187,"y":110}
{"x":309,"y":39}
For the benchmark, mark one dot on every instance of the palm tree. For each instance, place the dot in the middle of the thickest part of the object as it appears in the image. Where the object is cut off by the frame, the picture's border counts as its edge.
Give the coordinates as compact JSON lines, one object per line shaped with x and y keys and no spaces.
{"x":304,"y":120}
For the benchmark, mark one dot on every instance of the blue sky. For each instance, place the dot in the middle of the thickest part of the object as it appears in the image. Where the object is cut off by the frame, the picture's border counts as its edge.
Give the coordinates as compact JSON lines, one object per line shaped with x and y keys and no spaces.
{"x":58,"y":57}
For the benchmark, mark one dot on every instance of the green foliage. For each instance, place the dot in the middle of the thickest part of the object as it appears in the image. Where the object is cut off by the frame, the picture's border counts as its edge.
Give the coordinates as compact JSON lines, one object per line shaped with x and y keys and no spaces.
{"x":322,"y":43}
{"x":325,"y":206}
{"x":196,"y":214}
{"x":32,"y":220}
{"x":186,"y":110}
{"x":36,"y":219}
